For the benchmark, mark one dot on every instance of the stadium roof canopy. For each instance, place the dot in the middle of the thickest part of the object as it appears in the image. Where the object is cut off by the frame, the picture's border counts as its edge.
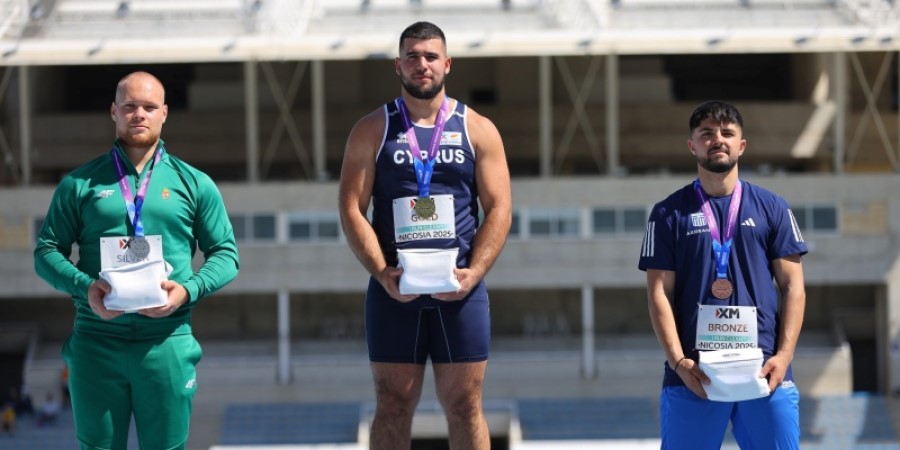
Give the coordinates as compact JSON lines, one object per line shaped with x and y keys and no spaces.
{"x":52,"y":32}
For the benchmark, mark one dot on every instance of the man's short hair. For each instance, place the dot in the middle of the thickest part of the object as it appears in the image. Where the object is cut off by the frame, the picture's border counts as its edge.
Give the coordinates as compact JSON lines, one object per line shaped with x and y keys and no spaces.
{"x":721,"y":112}
{"x":422,"y":31}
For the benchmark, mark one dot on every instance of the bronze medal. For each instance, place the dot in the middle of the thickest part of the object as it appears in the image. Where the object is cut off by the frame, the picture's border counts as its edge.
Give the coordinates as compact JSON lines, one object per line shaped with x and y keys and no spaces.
{"x":424,"y":207}
{"x":139,"y":247}
{"x":722,"y":289}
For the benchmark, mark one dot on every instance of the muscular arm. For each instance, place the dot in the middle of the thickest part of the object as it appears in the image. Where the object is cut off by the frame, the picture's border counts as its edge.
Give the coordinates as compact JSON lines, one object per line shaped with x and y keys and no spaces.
{"x":55,"y":240}
{"x":789,"y":277}
{"x":215,"y":239}
{"x":492,"y":179}
{"x":54,"y":248}
{"x":660,"y":291}
{"x":356,"y":184}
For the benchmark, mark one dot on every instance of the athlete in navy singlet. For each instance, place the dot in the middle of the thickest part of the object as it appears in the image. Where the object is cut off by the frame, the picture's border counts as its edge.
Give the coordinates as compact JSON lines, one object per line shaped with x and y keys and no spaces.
{"x":454,"y":174}
{"x":425,"y":162}
{"x":723,"y":260}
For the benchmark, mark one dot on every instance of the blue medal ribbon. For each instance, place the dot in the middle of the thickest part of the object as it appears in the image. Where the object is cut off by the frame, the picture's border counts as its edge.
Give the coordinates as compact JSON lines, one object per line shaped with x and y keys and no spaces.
{"x":423,"y":163}
{"x":721,"y":242}
{"x":135,"y":203}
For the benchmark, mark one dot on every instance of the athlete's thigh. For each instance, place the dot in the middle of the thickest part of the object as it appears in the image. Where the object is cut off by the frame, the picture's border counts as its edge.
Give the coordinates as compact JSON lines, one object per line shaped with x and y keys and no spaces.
{"x":459,"y":381}
{"x":461,"y":331}
{"x":165,"y":380}
{"x":688,"y":422}
{"x":394,"y":330}
{"x":769,"y":423}
{"x":398,"y":385}
{"x":99,"y":389}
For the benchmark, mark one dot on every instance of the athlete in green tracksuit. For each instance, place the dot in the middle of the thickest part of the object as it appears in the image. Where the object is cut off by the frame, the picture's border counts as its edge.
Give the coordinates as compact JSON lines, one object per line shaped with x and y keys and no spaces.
{"x":140,"y":364}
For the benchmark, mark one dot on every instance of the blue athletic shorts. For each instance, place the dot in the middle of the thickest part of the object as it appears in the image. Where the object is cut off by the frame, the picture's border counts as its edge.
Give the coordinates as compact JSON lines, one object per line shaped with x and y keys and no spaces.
{"x":412,"y":332}
{"x":691,"y":423}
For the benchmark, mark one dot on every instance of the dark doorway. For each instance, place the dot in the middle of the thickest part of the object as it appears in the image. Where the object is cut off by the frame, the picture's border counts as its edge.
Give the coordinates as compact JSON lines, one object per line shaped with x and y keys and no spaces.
{"x":734,"y":77}
{"x":11,"y":364}
{"x":865,"y":364}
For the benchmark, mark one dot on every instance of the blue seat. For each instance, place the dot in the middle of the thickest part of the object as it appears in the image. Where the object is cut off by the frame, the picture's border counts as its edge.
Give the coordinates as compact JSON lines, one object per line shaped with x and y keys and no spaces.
{"x":604,"y":418}
{"x":291,"y":423}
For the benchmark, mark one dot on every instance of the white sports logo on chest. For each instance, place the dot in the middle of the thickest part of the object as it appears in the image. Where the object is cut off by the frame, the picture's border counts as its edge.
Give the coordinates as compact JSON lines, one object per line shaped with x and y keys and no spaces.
{"x":698,"y":219}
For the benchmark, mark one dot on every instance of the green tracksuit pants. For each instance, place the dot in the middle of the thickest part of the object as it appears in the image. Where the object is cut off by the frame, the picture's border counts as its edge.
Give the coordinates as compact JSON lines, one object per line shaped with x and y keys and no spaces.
{"x":112,"y":378}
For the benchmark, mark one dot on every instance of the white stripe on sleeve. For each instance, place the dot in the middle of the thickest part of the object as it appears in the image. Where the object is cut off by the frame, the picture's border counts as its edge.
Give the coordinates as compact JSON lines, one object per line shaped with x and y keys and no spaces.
{"x":649,"y":241}
{"x":795,"y":228}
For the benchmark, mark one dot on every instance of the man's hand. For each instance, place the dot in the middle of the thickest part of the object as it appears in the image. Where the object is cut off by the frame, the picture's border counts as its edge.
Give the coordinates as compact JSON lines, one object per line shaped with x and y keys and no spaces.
{"x":467,"y":281}
{"x":693,"y":377}
{"x":389,"y":278}
{"x":774,"y":369}
{"x":96,"y":292}
{"x":177,"y":296}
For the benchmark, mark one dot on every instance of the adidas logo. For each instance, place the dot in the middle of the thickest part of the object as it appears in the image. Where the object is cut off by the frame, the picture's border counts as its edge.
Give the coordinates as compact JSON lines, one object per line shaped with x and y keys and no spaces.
{"x":749,"y":223}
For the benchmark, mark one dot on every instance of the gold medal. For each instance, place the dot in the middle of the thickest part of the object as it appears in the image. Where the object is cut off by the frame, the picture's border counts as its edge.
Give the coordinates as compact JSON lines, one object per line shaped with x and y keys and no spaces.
{"x":424,"y":207}
{"x":722,"y":289}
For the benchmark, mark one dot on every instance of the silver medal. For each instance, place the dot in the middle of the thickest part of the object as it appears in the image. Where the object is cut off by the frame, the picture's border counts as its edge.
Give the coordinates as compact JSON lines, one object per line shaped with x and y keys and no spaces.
{"x":139,"y":247}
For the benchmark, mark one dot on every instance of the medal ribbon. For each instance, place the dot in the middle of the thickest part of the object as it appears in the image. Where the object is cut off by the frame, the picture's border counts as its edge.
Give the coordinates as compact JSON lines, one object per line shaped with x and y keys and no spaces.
{"x":134,"y":203}
{"x":424,"y":164}
{"x":721,"y":244}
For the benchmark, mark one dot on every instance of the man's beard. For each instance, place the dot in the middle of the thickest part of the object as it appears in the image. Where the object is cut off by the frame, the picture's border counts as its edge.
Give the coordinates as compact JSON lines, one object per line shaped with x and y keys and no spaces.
{"x":140,"y":140}
{"x":419,"y":93}
{"x":717,"y":167}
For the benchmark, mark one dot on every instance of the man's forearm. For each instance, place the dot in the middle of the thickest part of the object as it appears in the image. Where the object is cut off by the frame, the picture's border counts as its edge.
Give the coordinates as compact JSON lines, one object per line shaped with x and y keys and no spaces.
{"x":489,"y":241}
{"x":364,"y":243}
{"x":659,"y":293}
{"x":791,"y":321}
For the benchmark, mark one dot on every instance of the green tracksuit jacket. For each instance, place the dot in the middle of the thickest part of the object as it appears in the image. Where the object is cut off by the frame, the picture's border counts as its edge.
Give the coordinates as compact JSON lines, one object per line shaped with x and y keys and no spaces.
{"x":182,"y":204}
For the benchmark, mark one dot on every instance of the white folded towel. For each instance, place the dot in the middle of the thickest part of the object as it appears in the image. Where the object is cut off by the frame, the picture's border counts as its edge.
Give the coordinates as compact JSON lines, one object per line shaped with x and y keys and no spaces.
{"x":734,"y":374}
{"x":136,"y":286}
{"x":427,"y":271}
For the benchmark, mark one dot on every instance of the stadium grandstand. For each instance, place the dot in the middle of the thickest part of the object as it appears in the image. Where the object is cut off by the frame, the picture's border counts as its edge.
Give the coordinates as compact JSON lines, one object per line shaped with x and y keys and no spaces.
{"x":592,"y":99}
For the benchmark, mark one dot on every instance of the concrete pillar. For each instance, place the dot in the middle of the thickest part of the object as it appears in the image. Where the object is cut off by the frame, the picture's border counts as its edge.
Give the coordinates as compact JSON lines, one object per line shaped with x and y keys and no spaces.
{"x":839,"y":93}
{"x":887,"y":327}
{"x":588,"y":352}
{"x":887,"y":316}
{"x":251,"y":124}
{"x":25,"y":123}
{"x":318,"y":119}
{"x":612,"y":114}
{"x":284,"y":337}
{"x":545,"y":115}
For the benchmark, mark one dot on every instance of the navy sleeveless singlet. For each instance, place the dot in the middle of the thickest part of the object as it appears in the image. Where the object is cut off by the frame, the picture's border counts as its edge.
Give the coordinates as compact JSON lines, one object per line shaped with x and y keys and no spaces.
{"x":410,"y":332}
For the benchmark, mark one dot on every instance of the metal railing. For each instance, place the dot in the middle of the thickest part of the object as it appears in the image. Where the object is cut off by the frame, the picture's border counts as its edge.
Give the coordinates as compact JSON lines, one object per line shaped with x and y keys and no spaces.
{"x":285,"y":17}
{"x":575,"y":14}
{"x":873,"y":13}
{"x":13,"y":18}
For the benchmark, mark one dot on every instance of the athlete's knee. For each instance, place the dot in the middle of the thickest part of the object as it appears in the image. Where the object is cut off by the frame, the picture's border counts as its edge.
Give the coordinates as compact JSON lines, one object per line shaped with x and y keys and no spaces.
{"x":463,"y":408}
{"x":398,"y":404}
